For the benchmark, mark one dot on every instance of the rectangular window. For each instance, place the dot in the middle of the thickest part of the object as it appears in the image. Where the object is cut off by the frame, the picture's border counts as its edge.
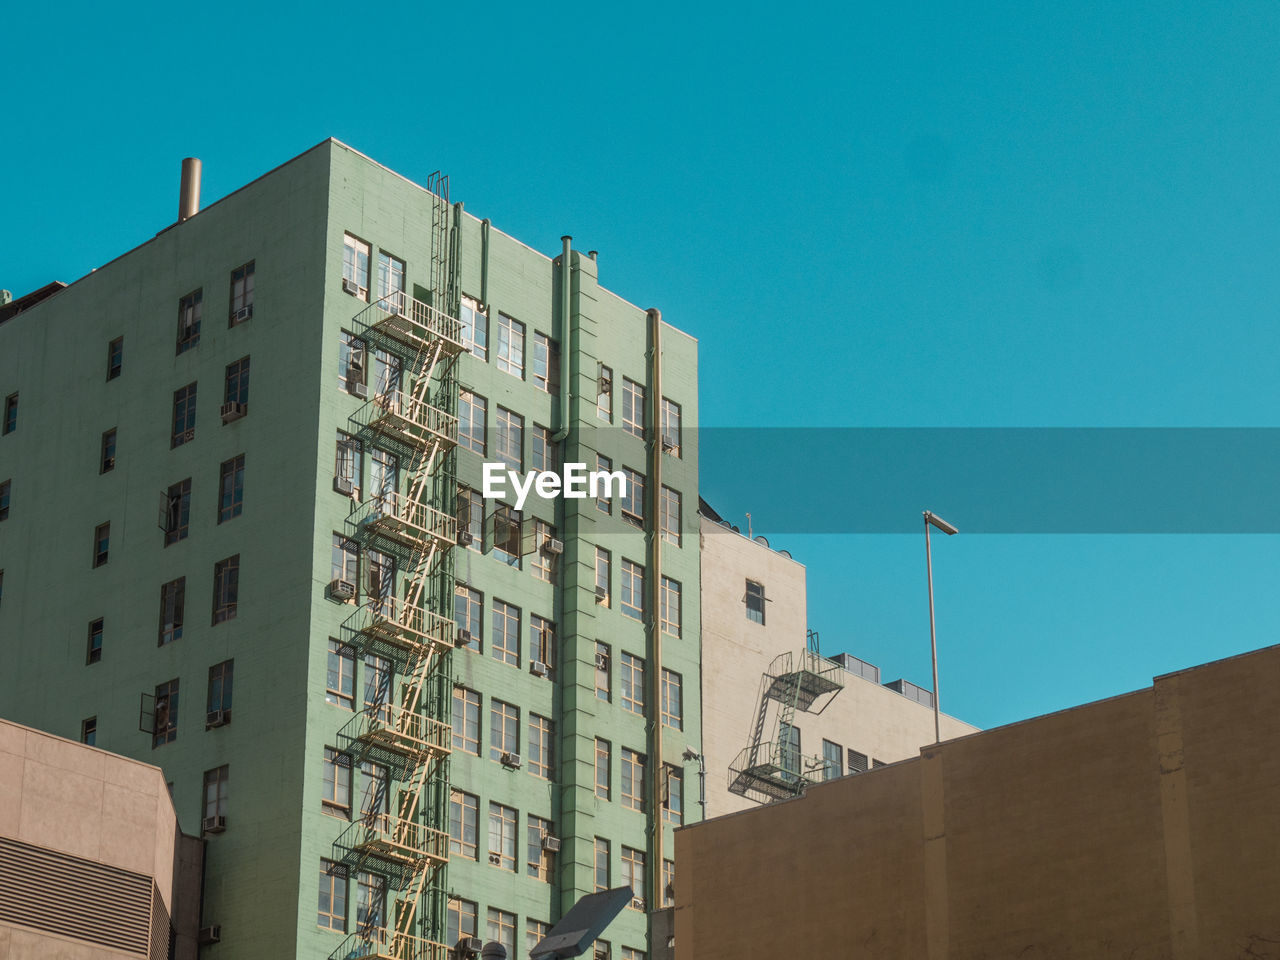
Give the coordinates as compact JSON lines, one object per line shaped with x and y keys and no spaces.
{"x":546,"y":452}
{"x":221,"y":683}
{"x":470,"y":519}
{"x":631,"y":953}
{"x":216,"y":784}
{"x":508,"y":440}
{"x":670,"y":612}
{"x":466,"y":720}
{"x":355,"y":266}
{"x":101,"y":543}
{"x":502,"y":836}
{"x":4,"y":499}
{"x":471,"y":421}
{"x":184,"y":416}
{"x":633,"y":873}
{"x":115,"y":358}
{"x":344,"y":560}
{"x":603,"y":689}
{"x":380,"y":572}
{"x":346,"y":471}
{"x":375,"y":794}
{"x":464,"y":824}
{"x":505,"y":642}
{"x":832,"y":758}
{"x":335,"y":797}
{"x":546,"y":363}
{"x":673,"y":807}
{"x":166,"y":714}
{"x":231,"y":489}
{"x":535,"y":931}
{"x":538,"y":859}
{"x":633,"y":496}
{"x":670,"y":427}
{"x":94,"y":652}
{"x":789,"y":753}
{"x":461,"y":921}
{"x":604,"y":782}
{"x":632,"y":589}
{"x":241,"y":294}
{"x":384,"y":478}
{"x":502,"y":928}
{"x":173,"y":601}
{"x":602,"y":866}
{"x":604,"y":394}
{"x":226,"y":589}
{"x":857,"y":762}
{"x":236,"y":386}
{"x":633,"y":408}
{"x":542,"y":640}
{"x":89,"y":731}
{"x":107,"y":460}
{"x":386,"y":378}
{"x":391,"y":283}
{"x":468,"y":615}
{"x":672,"y":700}
{"x":377,"y":686}
{"x":633,"y":780}
{"x":632,"y":677}
{"x":475,"y":328}
{"x":504,"y":729}
{"x":332,"y":914}
{"x":755,"y":602}
{"x":510,"y":358}
{"x":541,"y":738}
{"x":371,"y":901}
{"x":668,"y":883}
{"x":352,"y":360}
{"x":543,"y":562}
{"x":603,"y":576}
{"x":189,"y":310}
{"x":669,"y":515}
{"x":340,"y":675}
{"x":10,"y":413}
{"x":175,"y":512}
{"x":604,"y":504}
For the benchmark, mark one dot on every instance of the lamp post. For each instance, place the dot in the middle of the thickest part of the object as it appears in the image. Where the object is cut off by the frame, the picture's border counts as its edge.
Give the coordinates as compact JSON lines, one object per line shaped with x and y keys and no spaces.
{"x":930,"y":520}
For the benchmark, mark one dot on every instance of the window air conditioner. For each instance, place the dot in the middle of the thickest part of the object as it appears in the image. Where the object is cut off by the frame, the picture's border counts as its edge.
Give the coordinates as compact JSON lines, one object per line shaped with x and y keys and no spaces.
{"x":213,"y":824}
{"x":210,"y":934}
{"x":188,"y":435}
{"x":511,"y":760}
{"x":551,"y":844}
{"x":637,"y":903}
{"x":109,"y":463}
{"x":464,"y":538}
{"x":350,"y":286}
{"x":358,"y":389}
{"x":602,"y":594}
{"x":342,"y":590}
{"x":233,"y":410}
{"x":552,"y":547}
{"x":468,"y":947}
{"x":217,"y":718}
{"x":241,"y":315}
{"x":668,"y":445}
{"x":495,"y":859}
{"x":462,"y":638}
{"x":343,"y":485}
{"x":538,"y":669}
{"x":602,"y":661}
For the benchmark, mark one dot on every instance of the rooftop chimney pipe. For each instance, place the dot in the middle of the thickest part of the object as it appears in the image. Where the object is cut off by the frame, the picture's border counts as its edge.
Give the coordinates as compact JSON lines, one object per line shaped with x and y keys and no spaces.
{"x":189,"y":193}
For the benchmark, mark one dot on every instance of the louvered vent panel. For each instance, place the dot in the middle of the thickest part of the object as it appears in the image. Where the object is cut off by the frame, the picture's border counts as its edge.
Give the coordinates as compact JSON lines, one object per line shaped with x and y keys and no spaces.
{"x":159,"y":926}
{"x":62,"y":894}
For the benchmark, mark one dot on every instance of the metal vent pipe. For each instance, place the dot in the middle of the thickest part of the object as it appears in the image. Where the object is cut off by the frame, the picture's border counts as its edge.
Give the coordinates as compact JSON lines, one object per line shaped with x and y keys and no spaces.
{"x":189,"y":192}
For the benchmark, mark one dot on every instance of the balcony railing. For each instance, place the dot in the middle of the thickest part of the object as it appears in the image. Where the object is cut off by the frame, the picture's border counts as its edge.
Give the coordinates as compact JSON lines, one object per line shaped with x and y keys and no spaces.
{"x":381,"y":943}
{"x":402,"y":731}
{"x":405,"y":522}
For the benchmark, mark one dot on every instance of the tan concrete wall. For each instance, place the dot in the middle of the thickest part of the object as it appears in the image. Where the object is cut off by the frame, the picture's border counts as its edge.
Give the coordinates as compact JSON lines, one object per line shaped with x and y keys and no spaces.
{"x":1146,"y":826}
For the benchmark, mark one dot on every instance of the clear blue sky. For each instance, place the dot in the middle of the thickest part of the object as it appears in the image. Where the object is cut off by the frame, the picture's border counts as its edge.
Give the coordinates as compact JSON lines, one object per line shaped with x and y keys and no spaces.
{"x":946,"y":215}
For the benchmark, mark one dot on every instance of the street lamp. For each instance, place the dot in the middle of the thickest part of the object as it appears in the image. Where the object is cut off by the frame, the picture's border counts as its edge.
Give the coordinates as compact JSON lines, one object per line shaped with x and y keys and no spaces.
{"x":931,"y":520}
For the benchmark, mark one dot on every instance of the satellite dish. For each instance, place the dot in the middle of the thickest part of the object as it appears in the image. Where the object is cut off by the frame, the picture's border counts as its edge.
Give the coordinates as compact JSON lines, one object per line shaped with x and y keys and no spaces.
{"x":762,"y":540}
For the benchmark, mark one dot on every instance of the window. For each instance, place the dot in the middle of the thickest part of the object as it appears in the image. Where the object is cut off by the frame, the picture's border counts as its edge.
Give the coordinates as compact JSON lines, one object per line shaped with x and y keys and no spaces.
{"x":175,"y":516}
{"x":355,"y":266}
{"x":226,"y":589}
{"x":241,"y":294}
{"x":386,"y":377}
{"x":1,"y":583}
{"x":173,"y":601}
{"x":670,"y":606}
{"x":832,"y":756}
{"x":541,"y":736}
{"x":632,"y":589}
{"x":600,"y":950}
{"x":538,"y":860}
{"x":633,"y":872}
{"x":510,"y":357}
{"x":189,"y":310}
{"x":504,"y":729}
{"x":604,"y":504}
{"x":602,"y":868}
{"x":633,"y":408}
{"x":668,"y":883}
{"x":508,"y":441}
{"x":384,"y":478}
{"x":371,"y":901}
{"x":468,"y":611}
{"x":344,"y":560}
{"x":347,"y":466}
{"x":165,"y":718}
{"x":475,"y":328}
{"x":535,"y":931}
{"x":462,"y":920}
{"x":94,"y":652}
{"x":215,"y":791}
{"x":10,"y":413}
{"x":632,"y":780}
{"x":115,"y":358}
{"x":221,"y":682}
{"x":101,"y":543}
{"x":184,"y":416}
{"x":789,"y":752}
{"x":340,"y":675}
{"x":502,"y":928}
{"x":632,"y":674}
{"x":543,"y":562}
{"x":471,"y":421}
{"x":502,"y":836}
{"x":505,"y":644}
{"x":107,"y":459}
{"x":236,"y":387}
{"x":377,"y":686}
{"x":857,"y":762}
{"x":673,"y":808}
{"x":604,"y":394}
{"x":4,"y":499}
{"x":380,"y":569}
{"x":603,"y":563}
{"x":542,"y":640}
{"x":470,"y":519}
{"x":231,"y":489}
{"x":352,"y":358}
{"x":603,"y":764}
{"x":670,"y":427}
{"x":391,"y":282}
{"x":89,"y":731}
{"x":672,"y":700}
{"x":332,"y":911}
{"x":631,"y":953}
{"x":546,"y":452}
{"x":375,"y":794}
{"x":546,"y":363}
{"x":633,"y":496}
{"x":755,"y":602}
{"x":464,"y":824}
{"x":466,"y":720}
{"x":603,"y":690}
{"x":335,"y":796}
{"x":669,"y":514}
{"x":507,"y":540}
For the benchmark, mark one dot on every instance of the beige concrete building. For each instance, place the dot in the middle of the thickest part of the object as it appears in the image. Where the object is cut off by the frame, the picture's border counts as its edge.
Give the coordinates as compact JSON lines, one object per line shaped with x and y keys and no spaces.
{"x":775,"y":716}
{"x":92,"y":864}
{"x":1143,"y":827}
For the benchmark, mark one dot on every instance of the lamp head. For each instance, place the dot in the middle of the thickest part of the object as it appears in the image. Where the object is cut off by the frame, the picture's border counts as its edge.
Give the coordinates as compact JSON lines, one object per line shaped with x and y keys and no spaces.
{"x":936,"y":521}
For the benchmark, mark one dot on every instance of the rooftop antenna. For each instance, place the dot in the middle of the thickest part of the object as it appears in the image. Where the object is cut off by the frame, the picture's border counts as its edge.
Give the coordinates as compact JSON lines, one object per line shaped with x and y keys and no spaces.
{"x":749,"y":537}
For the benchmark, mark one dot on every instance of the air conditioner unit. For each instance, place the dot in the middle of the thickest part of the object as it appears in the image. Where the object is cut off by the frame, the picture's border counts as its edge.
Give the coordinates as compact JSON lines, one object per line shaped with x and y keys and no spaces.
{"x":552,"y":547}
{"x":468,"y":947}
{"x":213,"y":824}
{"x":241,"y":315}
{"x":350,"y":286}
{"x":210,"y":934}
{"x":343,"y":485}
{"x":342,"y":590}
{"x":188,"y":435}
{"x":462,"y":638}
{"x":496,"y":859}
{"x":464,"y":538}
{"x":358,"y":389}
{"x":233,"y":410}
{"x":538,"y":669}
{"x":511,"y":760}
{"x":637,"y":903}
{"x":217,"y":718}
{"x":667,"y":445}
{"x":602,"y":594}
{"x":551,"y":844}
{"x":602,"y":661}
{"x":108,"y":463}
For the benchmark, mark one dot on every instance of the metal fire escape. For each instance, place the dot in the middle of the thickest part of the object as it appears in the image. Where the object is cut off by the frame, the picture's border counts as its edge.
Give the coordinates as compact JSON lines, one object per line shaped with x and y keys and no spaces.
{"x":776,"y":769}
{"x":405,"y":628}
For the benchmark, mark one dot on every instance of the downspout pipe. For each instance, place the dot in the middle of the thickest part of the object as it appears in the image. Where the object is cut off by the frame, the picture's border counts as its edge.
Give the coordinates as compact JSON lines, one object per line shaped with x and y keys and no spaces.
{"x":563,"y":334}
{"x":484,"y":264}
{"x":653,"y":577}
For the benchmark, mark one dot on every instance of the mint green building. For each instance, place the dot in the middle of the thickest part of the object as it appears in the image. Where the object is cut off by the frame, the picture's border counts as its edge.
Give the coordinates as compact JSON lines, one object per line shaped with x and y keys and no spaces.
{"x":243,"y":537}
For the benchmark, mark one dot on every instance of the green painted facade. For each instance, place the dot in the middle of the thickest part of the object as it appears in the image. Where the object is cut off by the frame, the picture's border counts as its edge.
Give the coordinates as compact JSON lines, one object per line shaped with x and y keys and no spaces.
{"x":262,"y":873}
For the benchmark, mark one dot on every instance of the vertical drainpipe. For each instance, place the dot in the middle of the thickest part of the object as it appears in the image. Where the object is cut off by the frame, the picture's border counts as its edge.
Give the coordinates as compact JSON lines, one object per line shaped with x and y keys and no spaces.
{"x":653,"y":622}
{"x":484,"y":264}
{"x":568,"y":349}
